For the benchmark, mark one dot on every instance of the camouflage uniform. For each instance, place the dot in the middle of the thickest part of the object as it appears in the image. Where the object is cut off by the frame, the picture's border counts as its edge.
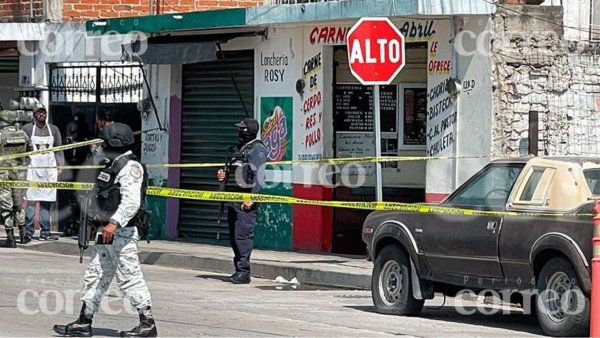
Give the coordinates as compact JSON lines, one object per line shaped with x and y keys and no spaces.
{"x":12,"y":140}
{"x":12,"y":197}
{"x":115,"y":203}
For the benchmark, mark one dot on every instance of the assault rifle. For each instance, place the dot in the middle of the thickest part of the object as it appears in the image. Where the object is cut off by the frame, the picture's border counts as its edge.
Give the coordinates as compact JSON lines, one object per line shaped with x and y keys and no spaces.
{"x":84,"y":233}
{"x":141,"y":220}
{"x":223,"y":184}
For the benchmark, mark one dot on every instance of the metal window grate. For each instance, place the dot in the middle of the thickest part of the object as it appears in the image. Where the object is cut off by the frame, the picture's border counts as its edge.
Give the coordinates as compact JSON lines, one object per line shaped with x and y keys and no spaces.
{"x":94,"y":83}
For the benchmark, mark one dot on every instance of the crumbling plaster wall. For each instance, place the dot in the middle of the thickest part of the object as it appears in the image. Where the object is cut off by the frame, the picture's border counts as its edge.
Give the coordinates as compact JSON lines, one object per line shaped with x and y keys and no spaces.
{"x":535,"y":69}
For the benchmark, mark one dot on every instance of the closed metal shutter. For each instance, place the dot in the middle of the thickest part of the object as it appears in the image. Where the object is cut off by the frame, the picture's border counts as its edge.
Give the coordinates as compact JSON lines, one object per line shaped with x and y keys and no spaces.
{"x":9,"y":64}
{"x":211,"y":106}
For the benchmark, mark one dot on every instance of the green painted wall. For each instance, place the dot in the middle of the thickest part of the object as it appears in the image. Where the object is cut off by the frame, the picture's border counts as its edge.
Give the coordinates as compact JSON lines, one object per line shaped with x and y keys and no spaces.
{"x":274,"y":221}
{"x":158,"y":208}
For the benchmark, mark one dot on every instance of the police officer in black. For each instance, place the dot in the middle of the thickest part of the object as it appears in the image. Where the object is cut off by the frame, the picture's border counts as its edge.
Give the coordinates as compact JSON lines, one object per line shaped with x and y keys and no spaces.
{"x":246,"y":166}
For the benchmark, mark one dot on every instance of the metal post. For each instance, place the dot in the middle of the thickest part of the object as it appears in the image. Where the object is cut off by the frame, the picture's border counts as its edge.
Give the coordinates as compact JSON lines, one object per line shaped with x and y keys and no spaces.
{"x":595,"y":301}
{"x":377,"y":130}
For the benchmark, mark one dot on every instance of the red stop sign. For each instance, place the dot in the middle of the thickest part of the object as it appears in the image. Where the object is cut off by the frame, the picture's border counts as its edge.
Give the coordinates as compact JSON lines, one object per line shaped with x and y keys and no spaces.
{"x":375,"y":51}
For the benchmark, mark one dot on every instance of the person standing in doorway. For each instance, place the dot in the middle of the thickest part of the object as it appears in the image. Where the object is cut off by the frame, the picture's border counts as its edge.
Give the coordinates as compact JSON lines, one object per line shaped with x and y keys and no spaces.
{"x":103,"y":118}
{"x":42,"y":168}
{"x":247,"y":166}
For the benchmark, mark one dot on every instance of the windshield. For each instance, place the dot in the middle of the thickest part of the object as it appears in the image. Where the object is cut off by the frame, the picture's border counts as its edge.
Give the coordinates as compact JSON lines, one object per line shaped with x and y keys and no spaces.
{"x":592,"y":178}
{"x":489,"y":189}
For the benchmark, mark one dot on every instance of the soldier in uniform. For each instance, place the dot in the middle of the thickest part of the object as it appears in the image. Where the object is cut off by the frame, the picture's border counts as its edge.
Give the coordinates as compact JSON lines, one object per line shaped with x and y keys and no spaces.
{"x":247,"y":166}
{"x":12,"y":141}
{"x":117,"y":197}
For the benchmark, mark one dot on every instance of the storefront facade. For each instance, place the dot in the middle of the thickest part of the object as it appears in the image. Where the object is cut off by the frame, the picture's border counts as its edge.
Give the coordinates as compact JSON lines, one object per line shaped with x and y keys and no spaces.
{"x":291,"y":71}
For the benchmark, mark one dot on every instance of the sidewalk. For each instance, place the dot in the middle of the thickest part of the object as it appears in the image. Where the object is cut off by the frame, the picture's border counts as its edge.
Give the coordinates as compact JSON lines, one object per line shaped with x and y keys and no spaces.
{"x":331,"y":270}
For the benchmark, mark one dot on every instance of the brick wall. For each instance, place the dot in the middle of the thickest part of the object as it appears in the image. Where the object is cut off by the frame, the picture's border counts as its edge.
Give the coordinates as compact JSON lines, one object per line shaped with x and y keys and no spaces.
{"x":81,"y":10}
{"x":19,"y":11}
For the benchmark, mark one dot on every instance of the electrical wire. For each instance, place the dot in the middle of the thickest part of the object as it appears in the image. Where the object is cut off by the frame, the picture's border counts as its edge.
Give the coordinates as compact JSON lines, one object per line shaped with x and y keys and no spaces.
{"x":171,"y":7}
{"x":143,"y":73}
{"x":561,"y":24}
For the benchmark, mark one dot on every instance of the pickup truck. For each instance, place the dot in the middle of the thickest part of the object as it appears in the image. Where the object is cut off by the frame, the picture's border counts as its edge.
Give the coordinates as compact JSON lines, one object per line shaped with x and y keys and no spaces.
{"x":530,"y":236}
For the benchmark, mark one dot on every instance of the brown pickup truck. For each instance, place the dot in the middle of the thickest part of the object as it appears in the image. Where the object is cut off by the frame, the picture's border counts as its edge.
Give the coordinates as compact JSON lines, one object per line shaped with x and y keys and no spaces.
{"x":530,"y":238}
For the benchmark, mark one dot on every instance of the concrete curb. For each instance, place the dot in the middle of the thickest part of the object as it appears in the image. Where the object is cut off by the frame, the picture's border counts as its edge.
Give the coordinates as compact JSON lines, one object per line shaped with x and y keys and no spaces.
{"x":346,"y":277}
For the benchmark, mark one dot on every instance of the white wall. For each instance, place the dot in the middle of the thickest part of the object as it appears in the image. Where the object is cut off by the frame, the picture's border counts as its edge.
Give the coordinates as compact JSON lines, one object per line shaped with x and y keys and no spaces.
{"x":155,"y":143}
{"x":277,"y":68}
{"x":475,"y":111}
{"x":468,"y":133}
{"x":576,"y":17}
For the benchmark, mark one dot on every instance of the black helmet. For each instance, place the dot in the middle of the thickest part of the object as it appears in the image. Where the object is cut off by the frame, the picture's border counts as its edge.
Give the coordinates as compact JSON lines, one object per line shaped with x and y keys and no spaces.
{"x":117,"y":135}
{"x":249,"y":123}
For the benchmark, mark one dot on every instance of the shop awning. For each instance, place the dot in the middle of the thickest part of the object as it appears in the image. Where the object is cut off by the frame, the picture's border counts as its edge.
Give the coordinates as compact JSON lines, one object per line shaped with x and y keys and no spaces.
{"x":184,"y":48}
{"x":165,"y":23}
{"x":287,"y":14}
{"x":172,"y":53}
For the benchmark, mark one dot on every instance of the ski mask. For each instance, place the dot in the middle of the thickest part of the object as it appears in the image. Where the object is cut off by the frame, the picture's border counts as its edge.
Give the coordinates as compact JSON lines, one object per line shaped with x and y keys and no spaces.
{"x":248,"y":130}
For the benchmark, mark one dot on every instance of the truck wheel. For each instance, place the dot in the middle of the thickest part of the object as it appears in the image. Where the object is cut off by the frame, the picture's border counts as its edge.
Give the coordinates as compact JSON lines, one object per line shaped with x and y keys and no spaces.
{"x":562,"y":307}
{"x":391,"y":286}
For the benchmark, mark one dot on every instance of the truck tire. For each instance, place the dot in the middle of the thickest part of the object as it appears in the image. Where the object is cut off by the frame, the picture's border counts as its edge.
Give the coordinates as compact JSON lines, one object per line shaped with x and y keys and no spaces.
{"x":391,"y":286}
{"x":562,"y":307}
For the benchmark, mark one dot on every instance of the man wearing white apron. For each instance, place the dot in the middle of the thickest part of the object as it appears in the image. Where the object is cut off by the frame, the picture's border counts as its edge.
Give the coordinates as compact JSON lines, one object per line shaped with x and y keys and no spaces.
{"x":42,"y":135}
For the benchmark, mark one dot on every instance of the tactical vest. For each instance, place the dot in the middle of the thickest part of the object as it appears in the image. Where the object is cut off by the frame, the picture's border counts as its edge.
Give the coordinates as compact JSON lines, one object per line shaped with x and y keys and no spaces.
{"x":12,"y":140}
{"x":239,"y":167}
{"x":108,"y":193}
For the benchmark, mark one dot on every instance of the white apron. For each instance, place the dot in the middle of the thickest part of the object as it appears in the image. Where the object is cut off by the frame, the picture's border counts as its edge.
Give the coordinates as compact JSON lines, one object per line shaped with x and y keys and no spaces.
{"x":42,"y":174}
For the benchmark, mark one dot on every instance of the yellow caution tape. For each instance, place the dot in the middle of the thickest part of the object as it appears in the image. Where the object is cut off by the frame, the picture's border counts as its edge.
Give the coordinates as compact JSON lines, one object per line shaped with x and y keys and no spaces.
{"x":50,"y":150}
{"x":46,"y":185}
{"x":218,"y":196}
{"x":261,"y":198}
{"x":62,"y":167}
{"x":347,"y":160}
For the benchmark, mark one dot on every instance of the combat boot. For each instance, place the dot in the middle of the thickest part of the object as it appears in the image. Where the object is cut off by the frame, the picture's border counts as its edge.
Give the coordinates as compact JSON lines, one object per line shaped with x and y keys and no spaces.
{"x":146,"y":327}
{"x":10,"y":240}
{"x":82,"y":327}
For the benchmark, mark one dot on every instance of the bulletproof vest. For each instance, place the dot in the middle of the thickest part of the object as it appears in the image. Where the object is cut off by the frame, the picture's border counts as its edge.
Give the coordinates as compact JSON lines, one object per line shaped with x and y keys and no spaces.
{"x":12,"y":140}
{"x":108,"y":193}
{"x":239,"y":167}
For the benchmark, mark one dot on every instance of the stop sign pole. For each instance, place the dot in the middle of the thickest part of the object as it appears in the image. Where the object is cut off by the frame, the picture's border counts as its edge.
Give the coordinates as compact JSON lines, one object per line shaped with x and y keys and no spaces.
{"x":375,"y":57}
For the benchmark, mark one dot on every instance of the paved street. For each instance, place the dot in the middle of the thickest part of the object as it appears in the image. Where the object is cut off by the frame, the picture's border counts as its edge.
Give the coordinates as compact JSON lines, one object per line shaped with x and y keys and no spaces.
{"x":195,"y":303}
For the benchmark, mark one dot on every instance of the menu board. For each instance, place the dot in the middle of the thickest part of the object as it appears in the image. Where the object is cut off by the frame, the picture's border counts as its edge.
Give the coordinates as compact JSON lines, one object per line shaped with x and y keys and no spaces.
{"x":354,"y":107}
{"x":350,"y":144}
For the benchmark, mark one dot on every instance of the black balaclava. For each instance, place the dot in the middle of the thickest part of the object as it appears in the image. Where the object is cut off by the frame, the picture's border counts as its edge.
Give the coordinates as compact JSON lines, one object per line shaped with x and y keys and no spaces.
{"x":246,"y":136}
{"x":248,"y":129}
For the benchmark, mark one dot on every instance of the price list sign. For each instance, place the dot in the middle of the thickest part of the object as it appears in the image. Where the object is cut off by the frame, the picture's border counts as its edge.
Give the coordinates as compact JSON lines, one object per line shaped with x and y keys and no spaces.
{"x":354,"y":108}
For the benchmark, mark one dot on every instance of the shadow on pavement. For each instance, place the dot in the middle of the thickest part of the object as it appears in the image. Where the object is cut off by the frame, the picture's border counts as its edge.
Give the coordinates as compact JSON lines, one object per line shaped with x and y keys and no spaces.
{"x":294,"y":287}
{"x":215,"y":277}
{"x":514,"y":321}
{"x":103,"y":332}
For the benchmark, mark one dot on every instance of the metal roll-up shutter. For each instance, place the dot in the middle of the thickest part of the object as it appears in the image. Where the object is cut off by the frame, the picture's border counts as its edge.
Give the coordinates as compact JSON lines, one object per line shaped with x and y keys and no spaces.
{"x":210,"y":107}
{"x":9,"y":64}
